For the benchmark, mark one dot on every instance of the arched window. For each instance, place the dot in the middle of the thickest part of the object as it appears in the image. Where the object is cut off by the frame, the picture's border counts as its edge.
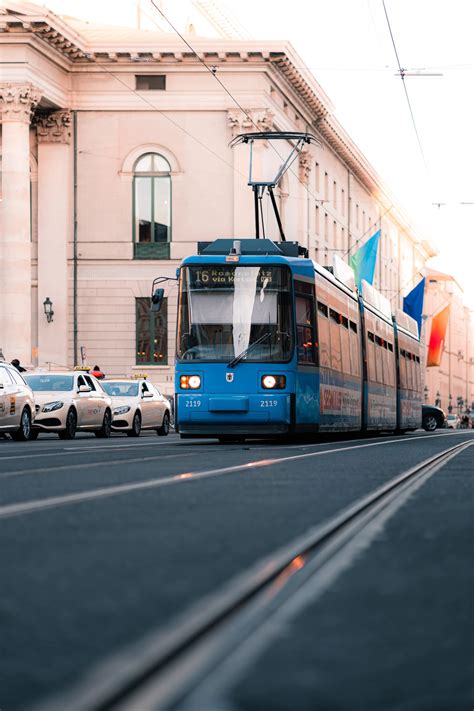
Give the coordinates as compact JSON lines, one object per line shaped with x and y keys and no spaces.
{"x":152,"y":207}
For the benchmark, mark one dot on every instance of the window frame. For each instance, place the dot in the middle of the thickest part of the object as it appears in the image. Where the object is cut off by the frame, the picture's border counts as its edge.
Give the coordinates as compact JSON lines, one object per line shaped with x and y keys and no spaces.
{"x":152,"y":318}
{"x":147,"y":77}
{"x":152,"y":176}
{"x":305,"y":290}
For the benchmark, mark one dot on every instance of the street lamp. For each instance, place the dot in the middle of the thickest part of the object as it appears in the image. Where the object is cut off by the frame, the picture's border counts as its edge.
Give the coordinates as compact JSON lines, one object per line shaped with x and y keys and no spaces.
{"x":450,"y":407}
{"x":426,"y":393}
{"x":438,"y":399}
{"x":48,"y":309}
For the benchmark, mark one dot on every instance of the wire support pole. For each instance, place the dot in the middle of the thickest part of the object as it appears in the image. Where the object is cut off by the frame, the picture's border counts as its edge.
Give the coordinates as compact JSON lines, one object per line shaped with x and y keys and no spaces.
{"x":257,"y":218}
{"x":277,"y":214}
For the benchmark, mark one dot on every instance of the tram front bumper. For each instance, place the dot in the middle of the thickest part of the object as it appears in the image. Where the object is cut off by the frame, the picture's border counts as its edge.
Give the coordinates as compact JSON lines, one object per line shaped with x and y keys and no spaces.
{"x":236,"y":414}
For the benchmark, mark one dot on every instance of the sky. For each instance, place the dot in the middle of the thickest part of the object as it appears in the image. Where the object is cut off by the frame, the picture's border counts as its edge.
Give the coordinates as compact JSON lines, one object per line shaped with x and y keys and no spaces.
{"x":425,"y":156}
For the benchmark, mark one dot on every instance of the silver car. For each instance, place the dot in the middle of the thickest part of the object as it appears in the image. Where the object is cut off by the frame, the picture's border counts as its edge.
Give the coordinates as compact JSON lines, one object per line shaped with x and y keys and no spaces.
{"x":17,"y":404}
{"x":138,"y":405}
{"x":70,"y":401}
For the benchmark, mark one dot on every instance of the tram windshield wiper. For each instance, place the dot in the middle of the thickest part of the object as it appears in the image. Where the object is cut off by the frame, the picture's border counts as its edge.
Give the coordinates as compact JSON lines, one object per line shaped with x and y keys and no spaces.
{"x":250,"y":348}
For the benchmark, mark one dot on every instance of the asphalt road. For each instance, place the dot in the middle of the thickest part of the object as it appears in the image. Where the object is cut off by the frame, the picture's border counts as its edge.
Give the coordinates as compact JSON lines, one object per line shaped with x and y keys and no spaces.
{"x":104,"y":542}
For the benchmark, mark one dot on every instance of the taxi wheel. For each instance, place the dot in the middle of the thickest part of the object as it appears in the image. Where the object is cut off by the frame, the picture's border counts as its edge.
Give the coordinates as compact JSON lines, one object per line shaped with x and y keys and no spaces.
{"x":136,"y":425}
{"x":165,"y":426}
{"x":24,"y":432}
{"x":33,"y":434}
{"x":429,"y":423}
{"x":71,"y":426}
{"x":106,"y":428}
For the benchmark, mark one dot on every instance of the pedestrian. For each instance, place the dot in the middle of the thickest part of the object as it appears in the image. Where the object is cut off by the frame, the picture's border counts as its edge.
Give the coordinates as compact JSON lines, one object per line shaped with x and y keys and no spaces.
{"x":16,"y":364}
{"x":97,"y":373}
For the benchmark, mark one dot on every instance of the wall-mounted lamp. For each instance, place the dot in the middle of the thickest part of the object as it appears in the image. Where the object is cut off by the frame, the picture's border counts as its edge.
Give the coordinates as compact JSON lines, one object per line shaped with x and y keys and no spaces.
{"x":48,"y":309}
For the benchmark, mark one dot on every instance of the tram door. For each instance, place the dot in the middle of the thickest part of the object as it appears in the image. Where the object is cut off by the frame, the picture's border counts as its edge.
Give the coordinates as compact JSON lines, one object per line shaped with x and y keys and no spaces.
{"x":307,"y":380}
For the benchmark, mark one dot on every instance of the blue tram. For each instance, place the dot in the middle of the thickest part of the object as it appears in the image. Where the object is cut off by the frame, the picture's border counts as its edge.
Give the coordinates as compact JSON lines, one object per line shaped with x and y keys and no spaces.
{"x":269,"y":343}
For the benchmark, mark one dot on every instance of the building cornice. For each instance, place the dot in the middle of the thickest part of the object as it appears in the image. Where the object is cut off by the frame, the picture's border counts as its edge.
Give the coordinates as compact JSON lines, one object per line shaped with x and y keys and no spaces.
{"x":146,"y":51}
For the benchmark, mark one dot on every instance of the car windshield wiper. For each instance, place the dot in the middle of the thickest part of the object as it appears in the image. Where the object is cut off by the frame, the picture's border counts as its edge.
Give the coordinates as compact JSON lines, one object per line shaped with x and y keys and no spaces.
{"x":250,"y":348}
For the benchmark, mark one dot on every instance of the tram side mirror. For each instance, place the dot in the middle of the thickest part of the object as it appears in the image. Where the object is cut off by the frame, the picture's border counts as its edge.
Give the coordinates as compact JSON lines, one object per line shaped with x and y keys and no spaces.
{"x":157,"y":299}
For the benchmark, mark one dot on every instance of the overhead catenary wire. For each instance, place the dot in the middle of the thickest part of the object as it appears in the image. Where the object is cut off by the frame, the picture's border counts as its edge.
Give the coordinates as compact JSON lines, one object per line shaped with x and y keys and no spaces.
{"x":90,"y":57}
{"x":212,"y":72}
{"x":402,"y":77}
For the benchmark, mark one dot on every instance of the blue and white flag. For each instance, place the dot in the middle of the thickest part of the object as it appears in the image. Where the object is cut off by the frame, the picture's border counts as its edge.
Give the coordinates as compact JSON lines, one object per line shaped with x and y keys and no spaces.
{"x":363,"y":261}
{"x":413,"y":303}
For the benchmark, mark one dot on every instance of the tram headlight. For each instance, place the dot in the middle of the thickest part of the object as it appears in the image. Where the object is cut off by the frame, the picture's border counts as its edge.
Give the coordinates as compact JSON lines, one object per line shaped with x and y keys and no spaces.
{"x":273,"y":382}
{"x":190,"y":382}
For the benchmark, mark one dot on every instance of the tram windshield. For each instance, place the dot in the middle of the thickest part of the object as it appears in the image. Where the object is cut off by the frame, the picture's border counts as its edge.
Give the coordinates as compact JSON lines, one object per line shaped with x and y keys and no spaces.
{"x":227,"y":311}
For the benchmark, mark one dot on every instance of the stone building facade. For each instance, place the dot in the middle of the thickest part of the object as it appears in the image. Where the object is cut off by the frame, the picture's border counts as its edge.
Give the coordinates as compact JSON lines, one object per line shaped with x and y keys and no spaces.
{"x":116,"y":162}
{"x":451,"y":385}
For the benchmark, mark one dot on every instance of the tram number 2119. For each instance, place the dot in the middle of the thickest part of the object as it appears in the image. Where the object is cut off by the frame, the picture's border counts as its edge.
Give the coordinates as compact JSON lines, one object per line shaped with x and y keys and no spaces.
{"x":268,"y":403}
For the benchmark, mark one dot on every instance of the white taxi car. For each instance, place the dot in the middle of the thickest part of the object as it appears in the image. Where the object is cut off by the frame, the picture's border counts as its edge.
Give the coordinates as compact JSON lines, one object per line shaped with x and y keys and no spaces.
{"x":70,"y":401}
{"x":17,"y":403}
{"x":138,"y":405}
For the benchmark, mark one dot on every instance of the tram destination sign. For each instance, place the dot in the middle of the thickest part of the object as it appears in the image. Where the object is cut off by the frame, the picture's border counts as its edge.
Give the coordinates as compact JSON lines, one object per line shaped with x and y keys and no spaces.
{"x":227,"y":276}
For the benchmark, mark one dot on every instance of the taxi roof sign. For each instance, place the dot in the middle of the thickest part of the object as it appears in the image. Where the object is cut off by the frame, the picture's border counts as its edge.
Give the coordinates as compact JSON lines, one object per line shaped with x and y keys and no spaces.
{"x":139,"y":376}
{"x":83,"y":367}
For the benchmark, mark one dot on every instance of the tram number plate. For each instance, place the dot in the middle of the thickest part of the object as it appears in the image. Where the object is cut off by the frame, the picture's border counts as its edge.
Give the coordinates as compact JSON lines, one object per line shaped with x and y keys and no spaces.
{"x":192,"y":403}
{"x":268,"y":403}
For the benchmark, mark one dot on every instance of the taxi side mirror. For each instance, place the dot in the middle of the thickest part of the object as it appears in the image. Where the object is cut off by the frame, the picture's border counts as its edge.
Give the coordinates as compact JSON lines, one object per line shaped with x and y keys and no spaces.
{"x":84,"y":389}
{"x":147,"y":393}
{"x":2,"y":386}
{"x":157,"y":299}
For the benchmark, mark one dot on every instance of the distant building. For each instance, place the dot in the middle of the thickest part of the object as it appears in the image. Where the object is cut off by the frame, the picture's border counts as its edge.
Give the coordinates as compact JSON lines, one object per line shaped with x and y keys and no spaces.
{"x":451,"y":385}
{"x":116,"y":162}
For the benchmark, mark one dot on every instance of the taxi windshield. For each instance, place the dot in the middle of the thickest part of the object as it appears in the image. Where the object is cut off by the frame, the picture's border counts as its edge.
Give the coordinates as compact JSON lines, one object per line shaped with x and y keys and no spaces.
{"x":46,"y":382}
{"x":120,"y":389}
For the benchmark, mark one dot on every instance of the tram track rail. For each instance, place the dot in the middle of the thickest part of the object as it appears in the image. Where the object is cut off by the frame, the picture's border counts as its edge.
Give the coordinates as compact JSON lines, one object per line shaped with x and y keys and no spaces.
{"x":164,"y":669}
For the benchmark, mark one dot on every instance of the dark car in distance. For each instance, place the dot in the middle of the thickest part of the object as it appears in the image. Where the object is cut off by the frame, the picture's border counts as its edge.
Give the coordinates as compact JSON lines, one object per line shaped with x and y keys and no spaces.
{"x":432,"y":418}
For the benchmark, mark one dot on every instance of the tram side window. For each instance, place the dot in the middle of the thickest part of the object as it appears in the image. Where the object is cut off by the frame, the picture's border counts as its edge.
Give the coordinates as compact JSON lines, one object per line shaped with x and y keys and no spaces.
{"x":323,"y":334}
{"x":335,"y":337}
{"x":403,"y":369}
{"x":345,"y":346}
{"x":355,"y":348}
{"x":418,"y":373}
{"x":390,"y":365}
{"x":379,"y":359}
{"x":415,"y":373}
{"x":409,"y":370}
{"x":305,"y":324}
{"x":372,"y":374}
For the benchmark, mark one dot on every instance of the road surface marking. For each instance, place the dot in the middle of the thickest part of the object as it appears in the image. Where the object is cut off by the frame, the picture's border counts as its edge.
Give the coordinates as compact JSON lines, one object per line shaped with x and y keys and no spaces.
{"x":67,"y":499}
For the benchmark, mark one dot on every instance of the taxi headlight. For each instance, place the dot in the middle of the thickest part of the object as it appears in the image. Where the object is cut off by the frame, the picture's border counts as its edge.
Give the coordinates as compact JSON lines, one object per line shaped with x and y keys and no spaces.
{"x":273,"y":382}
{"x":190,"y":382}
{"x":122,"y":410}
{"x":50,"y":406}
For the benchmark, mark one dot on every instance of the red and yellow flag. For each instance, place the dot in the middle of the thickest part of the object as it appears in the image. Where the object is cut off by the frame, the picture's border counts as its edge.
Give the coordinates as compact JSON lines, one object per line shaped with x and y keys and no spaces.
{"x":437,"y":337}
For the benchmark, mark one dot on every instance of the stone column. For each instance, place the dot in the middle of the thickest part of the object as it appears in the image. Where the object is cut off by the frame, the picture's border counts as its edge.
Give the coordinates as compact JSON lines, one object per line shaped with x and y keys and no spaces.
{"x":54,"y":232}
{"x":17,"y":103}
